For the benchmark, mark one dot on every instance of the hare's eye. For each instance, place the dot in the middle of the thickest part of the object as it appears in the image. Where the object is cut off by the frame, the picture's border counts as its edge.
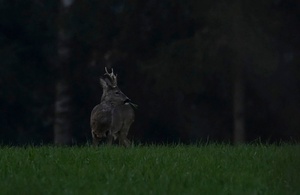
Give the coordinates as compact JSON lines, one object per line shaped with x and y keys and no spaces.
{"x":117,"y":93}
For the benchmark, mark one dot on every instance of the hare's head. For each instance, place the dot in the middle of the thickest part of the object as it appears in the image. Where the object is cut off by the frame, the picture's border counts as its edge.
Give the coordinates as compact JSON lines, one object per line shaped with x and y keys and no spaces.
{"x":111,"y":91}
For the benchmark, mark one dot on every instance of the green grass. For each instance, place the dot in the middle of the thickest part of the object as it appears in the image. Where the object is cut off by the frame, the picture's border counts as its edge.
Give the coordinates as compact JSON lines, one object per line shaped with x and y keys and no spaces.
{"x":211,"y":169}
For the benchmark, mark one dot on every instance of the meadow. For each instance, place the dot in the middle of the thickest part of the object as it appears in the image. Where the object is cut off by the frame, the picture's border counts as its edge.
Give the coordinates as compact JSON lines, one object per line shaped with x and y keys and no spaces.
{"x":153,"y":169}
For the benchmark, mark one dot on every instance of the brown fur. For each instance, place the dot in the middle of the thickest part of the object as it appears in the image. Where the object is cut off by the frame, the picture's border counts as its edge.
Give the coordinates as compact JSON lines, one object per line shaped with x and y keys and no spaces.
{"x":114,"y":115}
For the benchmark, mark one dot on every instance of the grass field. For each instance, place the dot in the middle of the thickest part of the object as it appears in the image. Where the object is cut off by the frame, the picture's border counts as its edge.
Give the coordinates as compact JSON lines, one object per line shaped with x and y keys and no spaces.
{"x":178,"y":169}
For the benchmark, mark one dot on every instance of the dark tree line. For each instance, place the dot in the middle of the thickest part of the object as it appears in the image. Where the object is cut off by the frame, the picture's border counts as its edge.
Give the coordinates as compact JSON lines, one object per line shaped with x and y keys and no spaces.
{"x":199,"y":70}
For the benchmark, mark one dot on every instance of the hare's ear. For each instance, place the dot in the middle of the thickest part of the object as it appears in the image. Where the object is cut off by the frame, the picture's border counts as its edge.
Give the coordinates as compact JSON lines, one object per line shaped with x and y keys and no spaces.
{"x":103,"y":84}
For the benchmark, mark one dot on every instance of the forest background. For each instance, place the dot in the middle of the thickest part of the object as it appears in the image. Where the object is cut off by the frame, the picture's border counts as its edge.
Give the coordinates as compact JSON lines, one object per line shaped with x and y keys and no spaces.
{"x":212,"y":70}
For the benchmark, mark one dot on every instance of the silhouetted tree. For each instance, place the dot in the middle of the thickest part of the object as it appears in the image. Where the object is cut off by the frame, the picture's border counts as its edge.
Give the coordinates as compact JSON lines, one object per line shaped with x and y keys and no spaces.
{"x":63,"y":102}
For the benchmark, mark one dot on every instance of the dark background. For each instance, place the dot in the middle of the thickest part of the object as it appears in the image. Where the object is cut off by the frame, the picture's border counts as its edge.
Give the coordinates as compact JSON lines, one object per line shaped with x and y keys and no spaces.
{"x":221,"y":70}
